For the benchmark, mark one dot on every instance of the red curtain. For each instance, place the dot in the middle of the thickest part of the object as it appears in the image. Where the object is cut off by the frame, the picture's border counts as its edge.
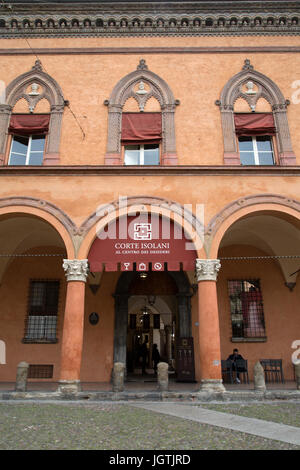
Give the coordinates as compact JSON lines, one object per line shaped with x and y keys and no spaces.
{"x":28,"y":124}
{"x":140,"y":128}
{"x":254,"y":124}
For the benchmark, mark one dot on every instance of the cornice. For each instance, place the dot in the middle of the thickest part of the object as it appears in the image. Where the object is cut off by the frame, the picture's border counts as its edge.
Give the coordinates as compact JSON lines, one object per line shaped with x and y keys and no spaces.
{"x":149,"y":50}
{"x":150,"y":19}
{"x":178,"y":170}
{"x":153,"y":6}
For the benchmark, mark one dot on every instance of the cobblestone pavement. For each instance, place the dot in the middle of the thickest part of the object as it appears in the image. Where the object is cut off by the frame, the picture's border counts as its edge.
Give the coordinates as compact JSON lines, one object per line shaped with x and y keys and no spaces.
{"x":109,"y":426}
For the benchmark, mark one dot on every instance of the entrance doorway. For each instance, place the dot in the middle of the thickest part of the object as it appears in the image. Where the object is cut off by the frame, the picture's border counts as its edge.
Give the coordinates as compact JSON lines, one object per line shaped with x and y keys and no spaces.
{"x":151,"y":321}
{"x":151,"y":308}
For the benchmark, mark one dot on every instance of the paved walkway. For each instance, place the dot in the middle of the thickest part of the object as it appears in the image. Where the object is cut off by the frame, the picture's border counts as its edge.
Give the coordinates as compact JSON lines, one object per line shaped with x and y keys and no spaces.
{"x":257,"y":427}
{"x":144,"y":384}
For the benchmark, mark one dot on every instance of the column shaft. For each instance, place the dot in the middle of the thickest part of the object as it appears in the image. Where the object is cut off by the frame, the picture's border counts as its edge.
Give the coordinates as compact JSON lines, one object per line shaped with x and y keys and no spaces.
{"x":73,"y":332}
{"x":208,"y":329}
{"x":209,"y":332}
{"x":72,"y":339}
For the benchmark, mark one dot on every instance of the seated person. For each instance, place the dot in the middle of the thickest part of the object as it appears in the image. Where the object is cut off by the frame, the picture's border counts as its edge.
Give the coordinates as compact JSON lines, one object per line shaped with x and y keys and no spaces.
{"x":233,"y":358}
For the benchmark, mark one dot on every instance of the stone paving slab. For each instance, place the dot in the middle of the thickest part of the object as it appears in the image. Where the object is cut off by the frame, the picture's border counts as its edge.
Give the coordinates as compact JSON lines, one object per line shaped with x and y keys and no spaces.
{"x":155,"y":395}
{"x":257,"y":427}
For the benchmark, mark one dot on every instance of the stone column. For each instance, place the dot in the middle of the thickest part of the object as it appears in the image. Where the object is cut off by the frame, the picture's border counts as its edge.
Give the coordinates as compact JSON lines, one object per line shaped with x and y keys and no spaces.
{"x":118,"y":377}
{"x":162,"y":376}
{"x":169,"y":154}
{"x":162,"y":342}
{"x":71,"y":352}
{"x":21,"y":379}
{"x":51,"y":156}
{"x":283,"y":138}
{"x":5,"y":112}
{"x":113,"y":150}
{"x":259,"y":378}
{"x":184,"y":311}
{"x":231,"y":154}
{"x":168,"y":330}
{"x":297,"y":375}
{"x":121,"y":325}
{"x":208,"y":324}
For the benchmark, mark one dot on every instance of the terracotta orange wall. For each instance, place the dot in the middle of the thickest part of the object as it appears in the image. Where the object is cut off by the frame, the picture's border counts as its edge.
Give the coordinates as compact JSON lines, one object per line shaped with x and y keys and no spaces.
{"x":14,"y":292}
{"x":195,"y":79}
{"x":97,"y":357}
{"x":80,"y":196}
{"x":281,"y":309}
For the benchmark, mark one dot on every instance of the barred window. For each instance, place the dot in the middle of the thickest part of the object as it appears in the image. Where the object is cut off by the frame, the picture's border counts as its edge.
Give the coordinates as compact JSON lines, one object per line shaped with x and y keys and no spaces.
{"x":246,"y":308}
{"x":40,"y":371}
{"x":41,"y":319}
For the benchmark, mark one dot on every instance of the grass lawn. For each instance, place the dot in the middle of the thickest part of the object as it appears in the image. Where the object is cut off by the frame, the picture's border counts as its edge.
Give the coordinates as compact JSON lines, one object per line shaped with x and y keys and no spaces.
{"x":108,"y":426}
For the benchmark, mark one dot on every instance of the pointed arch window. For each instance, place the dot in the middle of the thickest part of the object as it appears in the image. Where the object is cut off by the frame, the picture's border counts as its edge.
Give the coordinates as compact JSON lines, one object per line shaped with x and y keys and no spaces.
{"x":33,"y":137}
{"x":141,"y":138}
{"x":253,"y":131}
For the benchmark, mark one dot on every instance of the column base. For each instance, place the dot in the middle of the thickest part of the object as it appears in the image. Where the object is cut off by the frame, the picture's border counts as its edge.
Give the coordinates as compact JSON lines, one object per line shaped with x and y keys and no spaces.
{"x":69,"y":387}
{"x":287,"y":159}
{"x":169,"y":159}
{"x":212,"y":385}
{"x":232,"y":158}
{"x":112,"y":159}
{"x":51,"y":159}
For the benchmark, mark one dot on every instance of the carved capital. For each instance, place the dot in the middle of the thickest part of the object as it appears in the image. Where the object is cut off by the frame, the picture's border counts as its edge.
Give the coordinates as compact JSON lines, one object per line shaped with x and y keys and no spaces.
{"x":5,"y":109}
{"x":76,"y":269}
{"x":57,"y":108}
{"x":207,"y":269}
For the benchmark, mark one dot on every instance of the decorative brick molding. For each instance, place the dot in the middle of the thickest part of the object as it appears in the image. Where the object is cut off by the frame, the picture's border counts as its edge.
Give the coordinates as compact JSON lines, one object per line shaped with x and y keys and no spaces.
{"x":62,"y":223}
{"x":48,"y":207}
{"x":142,"y":203}
{"x":267,"y":89}
{"x":248,"y":201}
{"x":48,"y":89}
{"x":202,"y":18}
{"x":125,"y":89}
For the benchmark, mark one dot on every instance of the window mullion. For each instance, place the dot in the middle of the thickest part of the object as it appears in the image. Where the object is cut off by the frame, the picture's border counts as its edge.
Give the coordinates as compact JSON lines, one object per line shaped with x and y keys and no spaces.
{"x":256,"y":156}
{"x":142,"y":155}
{"x":11,"y":147}
{"x":28,"y":150}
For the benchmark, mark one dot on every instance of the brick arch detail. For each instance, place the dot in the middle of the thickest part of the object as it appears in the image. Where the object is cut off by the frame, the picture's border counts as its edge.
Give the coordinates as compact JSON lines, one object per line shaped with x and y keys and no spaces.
{"x":52,"y":92}
{"x":241,"y":207}
{"x":46,"y":211}
{"x":167,"y":208}
{"x":125,"y":89}
{"x":266,"y":89}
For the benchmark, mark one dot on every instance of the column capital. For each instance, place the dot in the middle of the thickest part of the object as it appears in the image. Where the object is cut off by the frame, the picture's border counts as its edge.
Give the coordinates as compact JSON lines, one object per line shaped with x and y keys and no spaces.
{"x":76,"y":269}
{"x":207,"y":269}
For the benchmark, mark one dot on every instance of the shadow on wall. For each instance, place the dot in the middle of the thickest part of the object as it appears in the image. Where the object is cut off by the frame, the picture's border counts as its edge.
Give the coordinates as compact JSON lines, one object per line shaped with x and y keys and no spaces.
{"x":2,"y":352}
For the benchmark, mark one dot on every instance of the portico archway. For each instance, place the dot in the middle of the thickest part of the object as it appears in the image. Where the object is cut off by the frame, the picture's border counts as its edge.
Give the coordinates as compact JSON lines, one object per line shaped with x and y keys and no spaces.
{"x":172,"y":292}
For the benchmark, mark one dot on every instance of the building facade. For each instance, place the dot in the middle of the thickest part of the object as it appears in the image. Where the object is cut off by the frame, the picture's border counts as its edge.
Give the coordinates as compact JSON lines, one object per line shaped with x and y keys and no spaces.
{"x":149,"y":164}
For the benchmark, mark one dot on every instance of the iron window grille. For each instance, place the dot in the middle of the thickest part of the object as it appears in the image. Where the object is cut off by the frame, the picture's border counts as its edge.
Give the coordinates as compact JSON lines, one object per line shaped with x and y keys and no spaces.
{"x":246,"y":309}
{"x":41,"y":321}
{"x":40,"y":371}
